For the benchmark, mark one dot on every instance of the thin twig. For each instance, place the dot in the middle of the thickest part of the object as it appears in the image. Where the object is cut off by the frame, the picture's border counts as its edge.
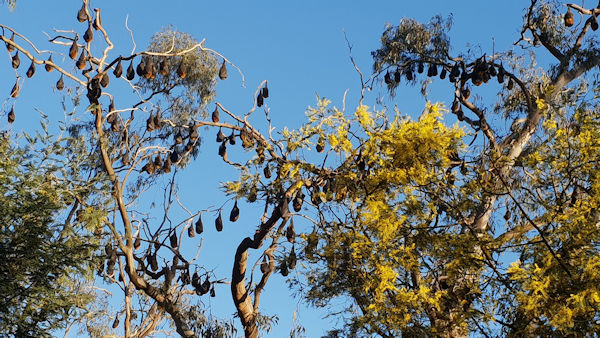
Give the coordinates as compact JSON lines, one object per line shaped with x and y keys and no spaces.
{"x":543,"y":237}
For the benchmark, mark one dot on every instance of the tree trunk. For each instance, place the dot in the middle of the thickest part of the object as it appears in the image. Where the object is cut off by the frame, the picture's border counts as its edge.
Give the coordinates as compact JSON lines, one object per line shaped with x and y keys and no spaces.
{"x":239,"y":292}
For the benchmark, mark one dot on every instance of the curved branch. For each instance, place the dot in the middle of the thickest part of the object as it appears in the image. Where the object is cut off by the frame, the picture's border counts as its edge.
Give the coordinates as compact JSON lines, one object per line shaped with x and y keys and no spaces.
{"x":40,"y":62}
{"x":239,"y":291}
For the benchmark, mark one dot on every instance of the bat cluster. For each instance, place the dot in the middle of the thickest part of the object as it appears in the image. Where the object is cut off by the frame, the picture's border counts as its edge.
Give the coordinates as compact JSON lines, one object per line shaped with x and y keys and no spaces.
{"x":263,"y":93}
{"x":148,"y":67}
{"x":289,"y":262}
{"x":478,"y":72}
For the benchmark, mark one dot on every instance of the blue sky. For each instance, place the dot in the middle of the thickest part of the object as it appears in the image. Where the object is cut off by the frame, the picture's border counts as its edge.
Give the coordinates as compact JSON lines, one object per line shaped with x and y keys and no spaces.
{"x":298,"y":46}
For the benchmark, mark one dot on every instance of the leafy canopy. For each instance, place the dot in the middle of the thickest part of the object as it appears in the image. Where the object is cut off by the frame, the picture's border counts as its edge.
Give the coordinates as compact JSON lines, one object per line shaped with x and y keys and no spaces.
{"x":42,"y":257}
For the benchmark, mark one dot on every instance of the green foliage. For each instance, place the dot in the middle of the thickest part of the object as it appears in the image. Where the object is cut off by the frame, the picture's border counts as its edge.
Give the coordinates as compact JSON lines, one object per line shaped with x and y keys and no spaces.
{"x":42,"y":257}
{"x":410,"y":46}
{"x":208,"y":327}
{"x":196,"y":89}
{"x":411,"y":40}
{"x":176,"y":101}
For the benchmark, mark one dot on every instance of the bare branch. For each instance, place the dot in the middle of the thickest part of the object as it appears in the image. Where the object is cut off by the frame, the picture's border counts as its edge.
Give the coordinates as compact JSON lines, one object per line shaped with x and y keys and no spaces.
{"x":40,"y":62}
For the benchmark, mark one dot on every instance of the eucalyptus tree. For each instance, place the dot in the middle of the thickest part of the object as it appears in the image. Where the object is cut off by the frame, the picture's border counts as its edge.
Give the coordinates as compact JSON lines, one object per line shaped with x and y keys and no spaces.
{"x":128,"y":141}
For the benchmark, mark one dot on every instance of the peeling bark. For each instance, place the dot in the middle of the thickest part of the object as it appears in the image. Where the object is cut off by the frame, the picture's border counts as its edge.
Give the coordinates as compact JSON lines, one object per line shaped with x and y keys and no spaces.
{"x":239,"y":291}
